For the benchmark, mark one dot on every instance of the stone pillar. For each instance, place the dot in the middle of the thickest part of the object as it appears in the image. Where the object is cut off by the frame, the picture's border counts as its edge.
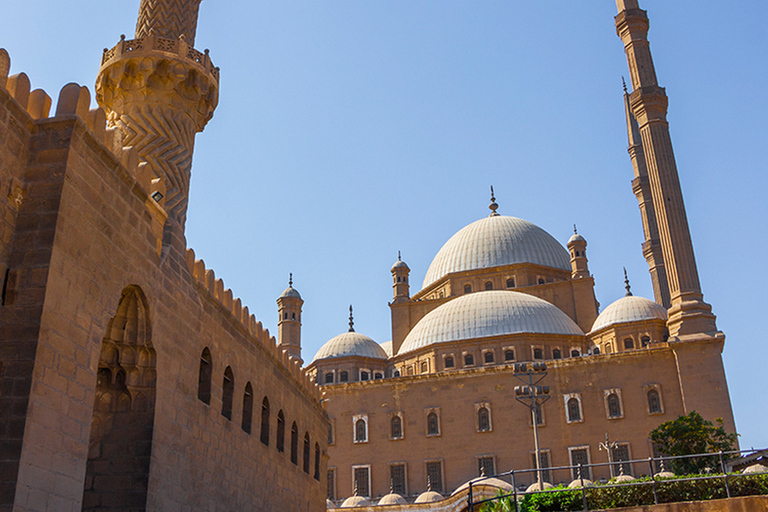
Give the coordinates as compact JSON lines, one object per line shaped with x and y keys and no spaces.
{"x":688,"y":314}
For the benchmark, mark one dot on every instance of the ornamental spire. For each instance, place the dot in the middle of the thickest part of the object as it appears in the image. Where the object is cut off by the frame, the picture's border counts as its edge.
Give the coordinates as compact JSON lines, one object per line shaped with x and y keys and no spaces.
{"x":290,"y":280}
{"x":493,"y":206}
{"x":626,"y":284}
{"x":351,"y":320}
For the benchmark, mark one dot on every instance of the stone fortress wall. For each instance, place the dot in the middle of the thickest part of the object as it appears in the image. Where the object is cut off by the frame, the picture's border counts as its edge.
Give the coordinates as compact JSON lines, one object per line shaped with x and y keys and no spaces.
{"x":102,"y":326}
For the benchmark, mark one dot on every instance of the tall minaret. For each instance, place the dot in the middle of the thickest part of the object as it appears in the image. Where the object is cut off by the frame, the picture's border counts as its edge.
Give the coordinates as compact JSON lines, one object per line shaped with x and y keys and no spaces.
{"x":641,"y":186}
{"x":688,"y":314}
{"x":400,"y":286}
{"x":160,"y":92}
{"x":289,"y":322}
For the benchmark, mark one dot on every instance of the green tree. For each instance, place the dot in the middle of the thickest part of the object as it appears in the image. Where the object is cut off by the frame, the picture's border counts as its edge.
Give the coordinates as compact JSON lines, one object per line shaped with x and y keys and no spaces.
{"x":689,"y":435}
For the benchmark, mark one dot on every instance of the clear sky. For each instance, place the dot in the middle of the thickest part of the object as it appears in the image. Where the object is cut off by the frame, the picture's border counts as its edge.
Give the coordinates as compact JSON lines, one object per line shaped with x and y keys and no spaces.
{"x":350,"y":129}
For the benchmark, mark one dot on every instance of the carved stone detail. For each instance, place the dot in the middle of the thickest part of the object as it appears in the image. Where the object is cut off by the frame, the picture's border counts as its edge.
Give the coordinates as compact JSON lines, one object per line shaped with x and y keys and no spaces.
{"x":168,"y":18}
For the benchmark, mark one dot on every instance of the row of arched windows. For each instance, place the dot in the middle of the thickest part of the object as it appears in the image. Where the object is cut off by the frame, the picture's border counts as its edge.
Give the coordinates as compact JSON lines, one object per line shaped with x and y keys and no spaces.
{"x":205,"y":375}
{"x":613,"y":405}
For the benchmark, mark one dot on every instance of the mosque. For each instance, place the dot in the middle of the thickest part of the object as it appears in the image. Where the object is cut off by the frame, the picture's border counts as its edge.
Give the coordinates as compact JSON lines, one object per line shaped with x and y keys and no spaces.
{"x":132,"y":379}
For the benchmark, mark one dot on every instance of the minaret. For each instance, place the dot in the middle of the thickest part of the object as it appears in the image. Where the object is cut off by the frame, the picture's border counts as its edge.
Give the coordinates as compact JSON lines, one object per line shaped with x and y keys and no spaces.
{"x":400,"y":286}
{"x":289,"y":322}
{"x":688,"y":314}
{"x":577,"y":247}
{"x":160,"y":92}
{"x":641,"y":186}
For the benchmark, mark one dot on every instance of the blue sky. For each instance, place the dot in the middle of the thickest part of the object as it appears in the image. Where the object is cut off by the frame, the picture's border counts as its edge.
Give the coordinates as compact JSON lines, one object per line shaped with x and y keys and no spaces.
{"x":350,"y":129}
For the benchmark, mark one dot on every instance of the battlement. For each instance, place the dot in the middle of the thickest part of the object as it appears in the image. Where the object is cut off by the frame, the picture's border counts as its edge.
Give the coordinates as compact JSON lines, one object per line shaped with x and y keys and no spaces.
{"x":177,"y":48}
{"x":224,"y":296}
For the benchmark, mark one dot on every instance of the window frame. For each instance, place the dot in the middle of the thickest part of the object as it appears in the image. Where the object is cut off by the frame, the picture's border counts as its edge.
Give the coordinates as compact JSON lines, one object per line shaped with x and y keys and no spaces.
{"x":354,"y":487}
{"x":485,"y":355}
{"x":464,"y":355}
{"x":405,"y":476}
{"x":364,"y":419}
{"x":574,"y":470}
{"x":480,"y":466}
{"x":566,"y":401}
{"x":399,"y":415}
{"x":606,"y":394}
{"x":331,"y":484}
{"x":427,"y":412}
{"x":616,"y":465}
{"x":453,"y":361}
{"x":547,"y":470}
{"x":332,"y":373}
{"x":487,"y":407}
{"x":442,"y":474}
{"x":657,"y":388}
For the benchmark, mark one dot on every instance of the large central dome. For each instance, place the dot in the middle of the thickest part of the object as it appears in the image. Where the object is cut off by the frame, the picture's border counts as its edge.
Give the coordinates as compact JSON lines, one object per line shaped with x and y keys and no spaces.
{"x":485,"y":314}
{"x":495,"y":241}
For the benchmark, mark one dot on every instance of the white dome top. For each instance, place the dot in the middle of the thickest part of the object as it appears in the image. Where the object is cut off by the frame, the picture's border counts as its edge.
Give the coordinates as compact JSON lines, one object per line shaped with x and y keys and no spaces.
{"x":290,"y":292}
{"x":429,"y":497}
{"x":488,"y":313}
{"x":350,"y":344}
{"x":387,"y":347}
{"x":494,"y":241}
{"x":392,"y":499}
{"x":355,"y":501}
{"x":629,"y":309}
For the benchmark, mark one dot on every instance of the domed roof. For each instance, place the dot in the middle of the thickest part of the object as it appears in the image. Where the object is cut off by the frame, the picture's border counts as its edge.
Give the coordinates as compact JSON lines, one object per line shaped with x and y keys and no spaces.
{"x":576,"y":238}
{"x":488,"y":313}
{"x":629,"y":309}
{"x":329,"y":504}
{"x":429,"y":497}
{"x":290,"y":292}
{"x":392,"y":499}
{"x":399,"y":264}
{"x":387,"y":347}
{"x":350,"y":344}
{"x":494,"y":241}
{"x":355,"y":501}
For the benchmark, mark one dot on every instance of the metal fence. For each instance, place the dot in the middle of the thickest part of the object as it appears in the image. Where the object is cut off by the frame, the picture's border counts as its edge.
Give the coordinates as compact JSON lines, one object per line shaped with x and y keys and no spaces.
{"x":715,"y":467}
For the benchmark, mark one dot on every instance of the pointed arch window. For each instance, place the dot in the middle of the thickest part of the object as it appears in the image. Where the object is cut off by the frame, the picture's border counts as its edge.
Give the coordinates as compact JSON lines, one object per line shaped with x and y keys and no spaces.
{"x":396,"y":427}
{"x":483,"y":419}
{"x":204,"y":377}
{"x":294,"y":443}
{"x":265,"y":421}
{"x":227,"y":393}
{"x":306,"y":452}
{"x":280,"y":436}
{"x":317,"y":462}
{"x":557,"y":354}
{"x":574,"y":410}
{"x":654,"y":402}
{"x":469,"y":360}
{"x":247,"y":408}
{"x":361,"y":429}
{"x":433,"y":424}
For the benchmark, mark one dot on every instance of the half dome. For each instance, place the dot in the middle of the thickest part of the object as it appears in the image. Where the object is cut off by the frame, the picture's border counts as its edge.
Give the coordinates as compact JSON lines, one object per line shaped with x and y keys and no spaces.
{"x":495,"y":241}
{"x":350,"y":344}
{"x":629,"y":309}
{"x":485,"y":314}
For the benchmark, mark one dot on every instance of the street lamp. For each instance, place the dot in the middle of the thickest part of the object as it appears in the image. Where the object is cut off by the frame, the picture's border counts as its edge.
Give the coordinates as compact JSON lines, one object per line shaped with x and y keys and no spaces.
{"x":533,"y":396}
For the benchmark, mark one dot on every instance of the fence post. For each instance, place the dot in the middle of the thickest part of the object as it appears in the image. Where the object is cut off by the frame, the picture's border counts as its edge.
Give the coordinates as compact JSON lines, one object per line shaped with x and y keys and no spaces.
{"x":725,"y":475}
{"x":583,"y":491}
{"x":471,"y":504}
{"x":514,"y":489}
{"x":653,"y":479}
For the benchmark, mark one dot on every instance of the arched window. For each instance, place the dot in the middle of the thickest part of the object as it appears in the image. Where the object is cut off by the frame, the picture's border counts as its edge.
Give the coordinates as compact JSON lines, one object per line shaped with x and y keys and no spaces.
{"x":467,"y":288}
{"x":396,"y":427}
{"x":488,"y":285}
{"x":449,"y":361}
{"x":378,"y":375}
{"x":541,"y":280}
{"x":228,"y":393}
{"x":396,"y":373}
{"x":280,"y":441}
{"x":511,"y":282}
{"x":329,"y":378}
{"x":247,"y":408}
{"x":538,"y":353}
{"x":654,"y":402}
{"x":424,"y":367}
{"x":265,"y":421}
{"x":575,"y":353}
{"x":488,"y":356}
{"x":343,"y":377}
{"x":361,"y":431}
{"x":556,"y":354}
{"x":294,"y":444}
{"x":629,"y":343}
{"x":645,"y":341}
{"x":330,"y":432}
{"x":317,"y":462}
{"x":433,"y":424}
{"x":469,"y":360}
{"x":204,"y":377}
{"x":574,"y":411}
{"x":614,"y":406}
{"x":509,"y":355}
{"x":483,"y":419}
{"x":364,"y":375}
{"x":596,"y":351}
{"x":306,"y":452}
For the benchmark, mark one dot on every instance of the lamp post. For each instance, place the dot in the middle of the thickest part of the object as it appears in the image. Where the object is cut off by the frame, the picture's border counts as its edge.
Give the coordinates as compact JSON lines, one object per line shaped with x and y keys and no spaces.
{"x":532,"y":395}
{"x":608,"y":446}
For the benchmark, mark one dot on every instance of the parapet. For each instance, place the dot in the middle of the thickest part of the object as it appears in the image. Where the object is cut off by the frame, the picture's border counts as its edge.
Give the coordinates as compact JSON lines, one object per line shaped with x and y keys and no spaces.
{"x":224,"y":296}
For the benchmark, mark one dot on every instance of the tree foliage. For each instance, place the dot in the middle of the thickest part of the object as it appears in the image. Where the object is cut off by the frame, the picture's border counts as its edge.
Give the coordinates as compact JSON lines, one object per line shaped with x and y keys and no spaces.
{"x":690,"y":435}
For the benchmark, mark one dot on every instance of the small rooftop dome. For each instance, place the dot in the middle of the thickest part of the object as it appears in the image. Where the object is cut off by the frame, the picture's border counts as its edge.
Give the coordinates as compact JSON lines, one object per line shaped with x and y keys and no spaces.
{"x":629,"y":309}
{"x":488,"y":313}
{"x":392,"y":499}
{"x":387,"y":346}
{"x":399,"y":264}
{"x":429,"y":497}
{"x":329,"y":504}
{"x":576,"y":238}
{"x":290,"y":291}
{"x":355,"y":501}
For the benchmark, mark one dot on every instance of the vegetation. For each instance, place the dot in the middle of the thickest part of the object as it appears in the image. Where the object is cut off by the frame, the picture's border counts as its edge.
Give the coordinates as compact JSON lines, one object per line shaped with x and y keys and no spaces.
{"x":689,"y":435}
{"x":629,"y":495}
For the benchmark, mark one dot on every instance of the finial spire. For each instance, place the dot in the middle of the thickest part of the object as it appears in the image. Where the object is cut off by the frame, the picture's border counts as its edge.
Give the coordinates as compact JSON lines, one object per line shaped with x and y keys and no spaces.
{"x":624,"y":83}
{"x":351,"y":320}
{"x":290,"y":279}
{"x":429,"y":483}
{"x":575,"y":231}
{"x":398,"y":256}
{"x":493,"y":206}
{"x":391,"y":486}
{"x":626,"y":283}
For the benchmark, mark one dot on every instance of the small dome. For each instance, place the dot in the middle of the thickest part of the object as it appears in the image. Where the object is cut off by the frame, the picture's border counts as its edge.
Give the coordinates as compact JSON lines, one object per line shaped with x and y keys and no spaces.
{"x":623,"y":478}
{"x":578,"y":483}
{"x":494,"y":241}
{"x":429,"y":497}
{"x":629,"y":309}
{"x":290,"y":292}
{"x":576,"y":238}
{"x":355,"y":501}
{"x":535,"y":487}
{"x":755,"y":468}
{"x":488,"y":313}
{"x":392,"y":499}
{"x":664,"y":474}
{"x":387,"y":346}
{"x":329,"y":505}
{"x":400,"y":264}
{"x":480,"y":481}
{"x":350,"y":344}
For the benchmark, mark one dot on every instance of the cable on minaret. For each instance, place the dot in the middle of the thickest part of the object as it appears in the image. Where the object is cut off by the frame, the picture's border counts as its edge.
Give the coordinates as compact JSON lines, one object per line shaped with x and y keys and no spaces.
{"x":626,"y":283}
{"x":493,"y":206}
{"x":351,"y":320}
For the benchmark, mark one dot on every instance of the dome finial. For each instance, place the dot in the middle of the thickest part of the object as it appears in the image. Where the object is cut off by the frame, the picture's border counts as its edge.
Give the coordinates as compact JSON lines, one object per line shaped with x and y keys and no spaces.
{"x":575,"y":231}
{"x":624,"y":84}
{"x":351,"y":320}
{"x":429,"y":483}
{"x":398,"y":256}
{"x":290,"y":279}
{"x":493,"y":206}
{"x":626,"y":283}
